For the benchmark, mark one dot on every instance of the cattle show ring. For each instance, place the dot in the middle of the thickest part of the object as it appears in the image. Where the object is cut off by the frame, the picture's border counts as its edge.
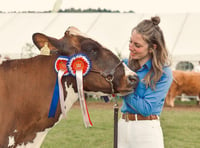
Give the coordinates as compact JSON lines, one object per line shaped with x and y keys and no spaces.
{"x":63,"y":89}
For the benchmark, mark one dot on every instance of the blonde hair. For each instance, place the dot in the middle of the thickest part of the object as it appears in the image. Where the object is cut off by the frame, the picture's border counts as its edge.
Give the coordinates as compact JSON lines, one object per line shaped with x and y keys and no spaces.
{"x":153,"y":35}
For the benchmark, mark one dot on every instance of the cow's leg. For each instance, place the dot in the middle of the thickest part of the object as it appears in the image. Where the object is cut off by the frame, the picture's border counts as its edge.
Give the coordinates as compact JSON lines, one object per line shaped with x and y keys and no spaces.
{"x":172,"y":102}
{"x":198,"y":100}
{"x":173,"y":98}
{"x":170,"y":99}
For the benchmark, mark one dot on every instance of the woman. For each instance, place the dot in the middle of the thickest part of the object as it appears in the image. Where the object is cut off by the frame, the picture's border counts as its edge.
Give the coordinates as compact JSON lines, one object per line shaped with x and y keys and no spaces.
{"x":139,"y":126}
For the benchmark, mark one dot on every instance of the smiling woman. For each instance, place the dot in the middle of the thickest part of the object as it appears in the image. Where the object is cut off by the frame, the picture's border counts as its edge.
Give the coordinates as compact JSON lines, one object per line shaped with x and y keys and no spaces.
{"x":149,"y":58}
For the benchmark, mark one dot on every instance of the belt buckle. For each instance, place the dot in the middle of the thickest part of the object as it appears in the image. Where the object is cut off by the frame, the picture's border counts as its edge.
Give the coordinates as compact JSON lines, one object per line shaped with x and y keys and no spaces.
{"x":126,"y":117}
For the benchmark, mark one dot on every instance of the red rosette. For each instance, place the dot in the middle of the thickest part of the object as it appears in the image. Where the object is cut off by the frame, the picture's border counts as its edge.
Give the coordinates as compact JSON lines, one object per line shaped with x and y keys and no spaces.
{"x":61,"y":64}
{"x":79,"y":62}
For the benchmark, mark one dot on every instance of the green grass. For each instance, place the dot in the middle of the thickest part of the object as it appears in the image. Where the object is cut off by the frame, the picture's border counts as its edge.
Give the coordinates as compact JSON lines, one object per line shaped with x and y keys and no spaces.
{"x":181,"y":129}
{"x":71,"y":133}
{"x":188,"y":103}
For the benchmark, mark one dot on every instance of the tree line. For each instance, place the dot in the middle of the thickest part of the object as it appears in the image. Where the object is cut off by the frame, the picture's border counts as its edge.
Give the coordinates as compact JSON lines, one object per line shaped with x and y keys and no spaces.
{"x":74,"y":10}
{"x":93,"y":10}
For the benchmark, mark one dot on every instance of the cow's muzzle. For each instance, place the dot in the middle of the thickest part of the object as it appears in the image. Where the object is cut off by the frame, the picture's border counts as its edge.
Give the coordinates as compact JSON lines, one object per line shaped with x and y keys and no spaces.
{"x":133,"y":81}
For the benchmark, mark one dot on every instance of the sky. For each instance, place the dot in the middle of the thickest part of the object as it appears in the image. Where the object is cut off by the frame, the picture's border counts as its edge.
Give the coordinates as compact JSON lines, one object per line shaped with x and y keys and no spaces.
{"x":138,"y":6}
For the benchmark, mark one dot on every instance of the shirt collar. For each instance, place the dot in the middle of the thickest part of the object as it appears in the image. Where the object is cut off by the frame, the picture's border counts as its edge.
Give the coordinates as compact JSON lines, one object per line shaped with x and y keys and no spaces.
{"x":147,"y":65}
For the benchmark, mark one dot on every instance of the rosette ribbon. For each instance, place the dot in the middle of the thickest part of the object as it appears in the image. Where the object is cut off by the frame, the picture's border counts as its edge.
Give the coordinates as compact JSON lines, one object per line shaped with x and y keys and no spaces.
{"x":79,"y":66}
{"x":62,"y":70}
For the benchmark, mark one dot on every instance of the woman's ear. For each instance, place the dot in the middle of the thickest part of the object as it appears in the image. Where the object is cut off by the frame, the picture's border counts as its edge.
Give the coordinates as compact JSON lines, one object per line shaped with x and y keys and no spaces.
{"x":154,"y":46}
{"x":151,"y":50}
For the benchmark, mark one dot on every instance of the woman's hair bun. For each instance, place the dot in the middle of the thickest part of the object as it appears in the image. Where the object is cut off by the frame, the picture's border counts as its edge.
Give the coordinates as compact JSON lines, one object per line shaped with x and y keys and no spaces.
{"x":155,"y":20}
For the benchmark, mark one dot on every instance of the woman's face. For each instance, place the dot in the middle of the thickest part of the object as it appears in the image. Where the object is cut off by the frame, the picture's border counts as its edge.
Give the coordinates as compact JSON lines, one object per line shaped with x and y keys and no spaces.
{"x":138,"y":48}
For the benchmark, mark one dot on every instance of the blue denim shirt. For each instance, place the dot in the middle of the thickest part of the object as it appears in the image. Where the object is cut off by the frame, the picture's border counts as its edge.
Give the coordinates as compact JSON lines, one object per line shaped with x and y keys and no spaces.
{"x":144,"y":100}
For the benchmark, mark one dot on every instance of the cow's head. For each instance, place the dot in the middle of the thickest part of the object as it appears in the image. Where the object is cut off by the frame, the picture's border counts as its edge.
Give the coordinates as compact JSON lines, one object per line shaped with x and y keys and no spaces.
{"x":105,"y":65}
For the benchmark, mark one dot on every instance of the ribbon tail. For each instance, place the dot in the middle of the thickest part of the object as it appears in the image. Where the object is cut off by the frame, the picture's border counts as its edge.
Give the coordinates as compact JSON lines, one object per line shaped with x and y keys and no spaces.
{"x":84,"y":109}
{"x":61,"y":94}
{"x":54,"y":102}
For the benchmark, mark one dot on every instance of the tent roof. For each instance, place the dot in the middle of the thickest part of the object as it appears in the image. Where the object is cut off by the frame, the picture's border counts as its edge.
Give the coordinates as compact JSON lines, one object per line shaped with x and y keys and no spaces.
{"x":112,"y":30}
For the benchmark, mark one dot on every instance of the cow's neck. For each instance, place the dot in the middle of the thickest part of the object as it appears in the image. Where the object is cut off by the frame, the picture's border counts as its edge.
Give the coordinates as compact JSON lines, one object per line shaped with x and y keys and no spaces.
{"x":70,"y":99}
{"x":30,"y":131}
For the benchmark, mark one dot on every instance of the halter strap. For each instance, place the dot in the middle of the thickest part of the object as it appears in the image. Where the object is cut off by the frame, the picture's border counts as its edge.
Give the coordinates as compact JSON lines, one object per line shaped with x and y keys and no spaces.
{"x":109,"y":76}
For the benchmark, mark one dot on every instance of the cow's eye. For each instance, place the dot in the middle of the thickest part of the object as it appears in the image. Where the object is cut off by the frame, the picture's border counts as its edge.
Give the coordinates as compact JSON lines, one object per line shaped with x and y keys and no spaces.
{"x":89,"y":49}
{"x":91,"y":52}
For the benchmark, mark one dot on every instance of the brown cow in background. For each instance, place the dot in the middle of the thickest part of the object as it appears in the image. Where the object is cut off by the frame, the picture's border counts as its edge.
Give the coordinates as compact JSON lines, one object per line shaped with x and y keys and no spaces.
{"x":184,"y":82}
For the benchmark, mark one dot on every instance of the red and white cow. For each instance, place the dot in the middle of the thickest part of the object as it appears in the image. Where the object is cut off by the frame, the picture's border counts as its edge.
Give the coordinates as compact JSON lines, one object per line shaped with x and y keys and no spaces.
{"x":27,"y":85}
{"x":184,"y":82}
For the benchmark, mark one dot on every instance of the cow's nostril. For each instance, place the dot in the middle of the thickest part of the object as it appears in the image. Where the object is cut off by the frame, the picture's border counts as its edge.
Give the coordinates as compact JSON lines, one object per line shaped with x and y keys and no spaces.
{"x":133,"y":80}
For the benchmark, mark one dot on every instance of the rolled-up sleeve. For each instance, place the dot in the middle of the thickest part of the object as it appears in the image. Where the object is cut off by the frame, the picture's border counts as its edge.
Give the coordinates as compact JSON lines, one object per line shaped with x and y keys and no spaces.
{"x":152,"y":100}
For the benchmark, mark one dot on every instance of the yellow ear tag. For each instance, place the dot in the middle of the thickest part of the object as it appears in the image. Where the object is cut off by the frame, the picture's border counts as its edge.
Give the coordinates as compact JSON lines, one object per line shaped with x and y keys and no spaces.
{"x":45,"y":49}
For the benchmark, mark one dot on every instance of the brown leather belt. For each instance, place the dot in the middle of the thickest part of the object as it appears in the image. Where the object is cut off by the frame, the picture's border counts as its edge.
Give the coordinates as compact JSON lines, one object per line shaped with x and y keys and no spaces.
{"x":135,"y":117}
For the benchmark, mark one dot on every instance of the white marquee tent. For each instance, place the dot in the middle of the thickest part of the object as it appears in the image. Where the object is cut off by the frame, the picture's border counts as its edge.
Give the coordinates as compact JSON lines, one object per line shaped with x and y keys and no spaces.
{"x":110,"y":29}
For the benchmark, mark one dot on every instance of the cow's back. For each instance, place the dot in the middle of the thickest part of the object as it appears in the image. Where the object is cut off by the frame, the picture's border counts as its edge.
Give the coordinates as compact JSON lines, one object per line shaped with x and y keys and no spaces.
{"x":184,"y":82}
{"x":188,"y":82}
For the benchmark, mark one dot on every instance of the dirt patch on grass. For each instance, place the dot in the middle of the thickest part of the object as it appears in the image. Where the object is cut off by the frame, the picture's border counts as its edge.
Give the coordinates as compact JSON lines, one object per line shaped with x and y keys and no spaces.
{"x":109,"y":105}
{"x":99,"y":105}
{"x":184,"y":108}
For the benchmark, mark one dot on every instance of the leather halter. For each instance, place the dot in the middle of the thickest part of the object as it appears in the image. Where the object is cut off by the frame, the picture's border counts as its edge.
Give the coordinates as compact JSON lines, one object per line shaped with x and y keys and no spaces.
{"x":109,"y":76}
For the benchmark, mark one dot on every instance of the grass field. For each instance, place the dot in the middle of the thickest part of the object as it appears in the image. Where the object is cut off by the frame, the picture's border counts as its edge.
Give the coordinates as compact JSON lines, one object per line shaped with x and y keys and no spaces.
{"x":181,"y":129}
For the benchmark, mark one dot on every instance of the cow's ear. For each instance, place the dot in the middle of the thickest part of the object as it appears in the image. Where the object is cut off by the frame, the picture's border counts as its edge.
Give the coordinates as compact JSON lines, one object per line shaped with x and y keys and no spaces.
{"x":41,"y":40}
